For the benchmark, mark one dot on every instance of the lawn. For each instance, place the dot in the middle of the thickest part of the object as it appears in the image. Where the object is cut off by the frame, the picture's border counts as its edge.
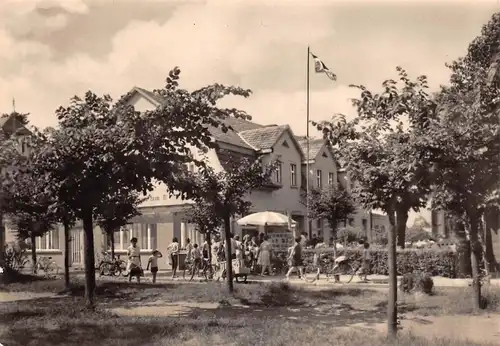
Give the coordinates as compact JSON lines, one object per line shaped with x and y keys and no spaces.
{"x":196,"y":314}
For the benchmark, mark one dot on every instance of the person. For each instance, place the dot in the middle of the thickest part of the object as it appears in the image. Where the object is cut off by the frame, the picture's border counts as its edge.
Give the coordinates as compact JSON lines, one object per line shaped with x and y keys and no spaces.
{"x":261,"y":238}
{"x":265,"y":255}
{"x":153,"y":263}
{"x":303,"y":239}
{"x":295,"y":259}
{"x":188,"y":248}
{"x":173,"y":250}
{"x":317,"y":258}
{"x":196,"y":256}
{"x":134,"y":261}
{"x":234,"y":247}
{"x":239,"y":247}
{"x":216,"y":246}
{"x":205,"y":247}
{"x":365,"y":267}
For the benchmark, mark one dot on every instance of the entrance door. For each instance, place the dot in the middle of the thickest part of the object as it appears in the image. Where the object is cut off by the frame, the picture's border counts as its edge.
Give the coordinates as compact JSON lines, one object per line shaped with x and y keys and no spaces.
{"x":77,"y":247}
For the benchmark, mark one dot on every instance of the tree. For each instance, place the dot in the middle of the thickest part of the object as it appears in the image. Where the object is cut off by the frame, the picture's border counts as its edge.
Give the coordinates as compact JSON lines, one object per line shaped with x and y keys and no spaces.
{"x":203,"y":215}
{"x":386,"y":154}
{"x":468,"y":131}
{"x":225,"y":195}
{"x":116,"y":211}
{"x":101,"y":148}
{"x":332,"y":204}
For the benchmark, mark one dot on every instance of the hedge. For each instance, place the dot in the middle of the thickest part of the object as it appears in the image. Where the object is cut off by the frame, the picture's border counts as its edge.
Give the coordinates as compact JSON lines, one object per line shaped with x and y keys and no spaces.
{"x":435,"y":262}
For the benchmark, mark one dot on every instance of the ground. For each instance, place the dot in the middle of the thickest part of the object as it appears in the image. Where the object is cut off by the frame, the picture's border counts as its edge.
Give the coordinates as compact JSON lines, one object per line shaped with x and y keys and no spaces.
{"x":180,"y":313}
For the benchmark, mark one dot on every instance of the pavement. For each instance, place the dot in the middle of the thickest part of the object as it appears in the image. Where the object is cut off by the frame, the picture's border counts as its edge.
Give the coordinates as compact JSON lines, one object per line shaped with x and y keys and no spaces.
{"x":373,"y":280}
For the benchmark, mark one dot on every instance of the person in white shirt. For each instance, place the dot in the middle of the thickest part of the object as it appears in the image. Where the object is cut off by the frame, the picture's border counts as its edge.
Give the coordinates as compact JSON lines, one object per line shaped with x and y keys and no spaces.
{"x":189,"y":249}
{"x":173,"y":250}
{"x":134,"y":261}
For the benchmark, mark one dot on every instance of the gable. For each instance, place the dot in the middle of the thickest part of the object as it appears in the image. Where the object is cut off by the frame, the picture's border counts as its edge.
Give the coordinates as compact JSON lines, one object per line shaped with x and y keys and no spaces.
{"x":141,"y":103}
{"x":287,"y":137}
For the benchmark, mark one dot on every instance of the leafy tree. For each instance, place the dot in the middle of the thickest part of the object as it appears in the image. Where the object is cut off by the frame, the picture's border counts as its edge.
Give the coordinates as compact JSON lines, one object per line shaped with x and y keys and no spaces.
{"x":203,"y":215}
{"x":467,"y":170}
{"x":332,"y":204}
{"x":386,"y":154}
{"x":101,"y":148}
{"x":224,"y":195}
{"x":116,"y":211}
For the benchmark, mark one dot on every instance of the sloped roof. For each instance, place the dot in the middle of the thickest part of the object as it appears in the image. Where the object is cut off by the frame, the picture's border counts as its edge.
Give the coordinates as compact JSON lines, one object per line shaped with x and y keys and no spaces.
{"x":263,"y":137}
{"x":315,"y":145}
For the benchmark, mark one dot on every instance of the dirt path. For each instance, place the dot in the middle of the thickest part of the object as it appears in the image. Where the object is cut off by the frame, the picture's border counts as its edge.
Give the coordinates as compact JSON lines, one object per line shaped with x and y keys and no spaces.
{"x":6,"y":297}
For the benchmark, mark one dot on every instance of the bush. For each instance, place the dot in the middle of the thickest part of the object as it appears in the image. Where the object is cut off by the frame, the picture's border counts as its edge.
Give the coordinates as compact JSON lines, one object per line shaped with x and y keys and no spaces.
{"x":435,"y":262}
{"x":15,"y":259}
{"x":416,"y":282}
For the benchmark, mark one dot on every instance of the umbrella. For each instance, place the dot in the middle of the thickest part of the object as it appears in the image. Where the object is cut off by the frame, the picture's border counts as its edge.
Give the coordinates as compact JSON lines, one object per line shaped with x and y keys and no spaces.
{"x":265,"y":218}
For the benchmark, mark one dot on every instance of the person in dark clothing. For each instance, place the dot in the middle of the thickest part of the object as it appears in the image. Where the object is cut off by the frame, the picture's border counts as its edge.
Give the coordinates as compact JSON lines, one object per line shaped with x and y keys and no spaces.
{"x":295,"y":259}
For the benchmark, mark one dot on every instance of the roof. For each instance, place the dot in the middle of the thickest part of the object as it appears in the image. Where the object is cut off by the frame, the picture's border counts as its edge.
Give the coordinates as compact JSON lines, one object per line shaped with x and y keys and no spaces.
{"x":233,"y":137}
{"x":263,"y":137}
{"x":315,"y":145}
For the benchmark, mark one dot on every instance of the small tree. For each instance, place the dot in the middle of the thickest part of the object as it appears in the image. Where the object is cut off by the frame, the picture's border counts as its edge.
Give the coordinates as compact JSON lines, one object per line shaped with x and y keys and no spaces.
{"x":204,"y":217}
{"x":21,"y":117}
{"x":225,"y":195}
{"x":333,"y":205}
{"x":389,"y":161}
{"x":116,"y":211}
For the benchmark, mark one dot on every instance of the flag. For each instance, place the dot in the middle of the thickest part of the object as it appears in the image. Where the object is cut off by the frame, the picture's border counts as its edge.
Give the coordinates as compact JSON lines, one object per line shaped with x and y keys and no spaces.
{"x":319,"y":67}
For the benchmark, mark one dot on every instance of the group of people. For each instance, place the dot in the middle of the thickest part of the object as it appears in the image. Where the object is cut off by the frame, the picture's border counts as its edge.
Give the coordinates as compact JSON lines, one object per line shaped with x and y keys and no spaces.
{"x":253,"y":251}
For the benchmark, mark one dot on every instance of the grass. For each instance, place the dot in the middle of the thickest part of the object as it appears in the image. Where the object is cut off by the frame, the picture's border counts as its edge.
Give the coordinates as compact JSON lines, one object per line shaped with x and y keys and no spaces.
{"x":257,"y":314}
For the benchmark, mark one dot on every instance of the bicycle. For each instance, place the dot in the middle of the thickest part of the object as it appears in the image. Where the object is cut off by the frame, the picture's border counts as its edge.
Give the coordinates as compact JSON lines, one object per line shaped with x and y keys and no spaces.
{"x":112,"y":267}
{"x":343,"y":267}
{"x":47,"y":265}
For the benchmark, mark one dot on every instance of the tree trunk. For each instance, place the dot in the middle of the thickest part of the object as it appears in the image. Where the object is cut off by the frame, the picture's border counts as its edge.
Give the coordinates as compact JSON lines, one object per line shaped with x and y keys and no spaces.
{"x":392,"y":311}
{"x":209,"y":242}
{"x":229,"y":262}
{"x":401,"y":219}
{"x":2,"y":241}
{"x":476,"y":251}
{"x":33,"y":252}
{"x":491,"y":224}
{"x":463,"y":247}
{"x":112,"y":245}
{"x":66,"y":254}
{"x":88,"y":245}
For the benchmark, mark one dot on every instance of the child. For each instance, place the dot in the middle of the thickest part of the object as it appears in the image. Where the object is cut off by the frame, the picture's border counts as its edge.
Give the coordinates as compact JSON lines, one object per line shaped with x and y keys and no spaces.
{"x":295,"y":258}
{"x":365,"y":268}
{"x":153,"y":263}
{"x":196,"y":255}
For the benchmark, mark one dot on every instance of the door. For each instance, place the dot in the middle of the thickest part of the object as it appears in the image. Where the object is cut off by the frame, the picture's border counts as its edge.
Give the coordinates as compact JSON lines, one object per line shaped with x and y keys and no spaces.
{"x":77,"y":247}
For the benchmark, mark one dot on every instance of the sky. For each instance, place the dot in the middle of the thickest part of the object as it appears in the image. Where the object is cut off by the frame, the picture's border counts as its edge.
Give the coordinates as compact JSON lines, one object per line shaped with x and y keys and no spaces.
{"x":51,"y":50}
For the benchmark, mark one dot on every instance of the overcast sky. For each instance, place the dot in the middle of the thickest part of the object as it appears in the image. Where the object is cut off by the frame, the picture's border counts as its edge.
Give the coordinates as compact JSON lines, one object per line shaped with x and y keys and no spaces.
{"x":51,"y":50}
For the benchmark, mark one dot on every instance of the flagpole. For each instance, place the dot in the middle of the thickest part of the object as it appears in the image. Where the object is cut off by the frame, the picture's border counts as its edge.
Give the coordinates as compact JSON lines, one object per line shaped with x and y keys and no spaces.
{"x":308,"y":230}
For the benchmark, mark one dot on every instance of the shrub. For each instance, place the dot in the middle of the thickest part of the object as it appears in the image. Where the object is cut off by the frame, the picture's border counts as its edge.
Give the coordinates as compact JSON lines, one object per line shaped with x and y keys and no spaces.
{"x":435,"y":262}
{"x":15,"y":259}
{"x":416,"y":282}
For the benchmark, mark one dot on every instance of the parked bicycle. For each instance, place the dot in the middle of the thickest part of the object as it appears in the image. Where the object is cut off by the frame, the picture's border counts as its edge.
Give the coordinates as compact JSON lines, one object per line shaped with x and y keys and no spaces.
{"x":47,"y":265}
{"x":112,"y":267}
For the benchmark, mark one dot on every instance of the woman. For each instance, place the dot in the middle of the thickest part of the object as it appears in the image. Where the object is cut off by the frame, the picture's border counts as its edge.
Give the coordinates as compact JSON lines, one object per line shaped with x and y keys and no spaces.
{"x":265,"y":255}
{"x":173,"y":249}
{"x":134,"y":261}
{"x":295,"y":259}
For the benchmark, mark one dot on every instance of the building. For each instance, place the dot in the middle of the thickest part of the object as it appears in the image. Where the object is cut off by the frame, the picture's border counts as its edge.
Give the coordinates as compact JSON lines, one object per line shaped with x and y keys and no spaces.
{"x":163,"y":217}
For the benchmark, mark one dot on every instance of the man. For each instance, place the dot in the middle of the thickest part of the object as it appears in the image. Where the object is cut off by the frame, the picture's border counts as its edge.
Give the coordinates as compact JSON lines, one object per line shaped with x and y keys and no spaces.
{"x":239,"y":254}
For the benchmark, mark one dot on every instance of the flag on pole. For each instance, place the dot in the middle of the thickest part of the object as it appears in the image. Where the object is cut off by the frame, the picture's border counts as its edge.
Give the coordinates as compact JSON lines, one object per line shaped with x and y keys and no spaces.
{"x":320,"y":67}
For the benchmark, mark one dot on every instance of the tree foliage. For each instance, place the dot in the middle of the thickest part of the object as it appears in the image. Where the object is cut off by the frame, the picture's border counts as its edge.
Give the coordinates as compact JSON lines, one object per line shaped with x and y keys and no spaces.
{"x":332,"y":204}
{"x":467,"y":167}
{"x":21,"y":117}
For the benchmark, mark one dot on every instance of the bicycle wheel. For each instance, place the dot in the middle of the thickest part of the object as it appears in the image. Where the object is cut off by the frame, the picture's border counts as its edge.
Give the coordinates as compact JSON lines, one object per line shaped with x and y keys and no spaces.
{"x":52,"y":269}
{"x":117,"y":269}
{"x":310,"y":274}
{"x":104,"y":269}
{"x":344,"y":269}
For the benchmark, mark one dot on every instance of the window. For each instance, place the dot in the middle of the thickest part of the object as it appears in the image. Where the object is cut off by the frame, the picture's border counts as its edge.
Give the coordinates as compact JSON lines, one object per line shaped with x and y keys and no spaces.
{"x":351,"y":222}
{"x":293,"y":174}
{"x":285,"y":144}
{"x":318,"y":223}
{"x":146,"y":235}
{"x":277,"y":173}
{"x":331,"y":179}
{"x":319,"y":182}
{"x":49,"y":241}
{"x":365,"y":225}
